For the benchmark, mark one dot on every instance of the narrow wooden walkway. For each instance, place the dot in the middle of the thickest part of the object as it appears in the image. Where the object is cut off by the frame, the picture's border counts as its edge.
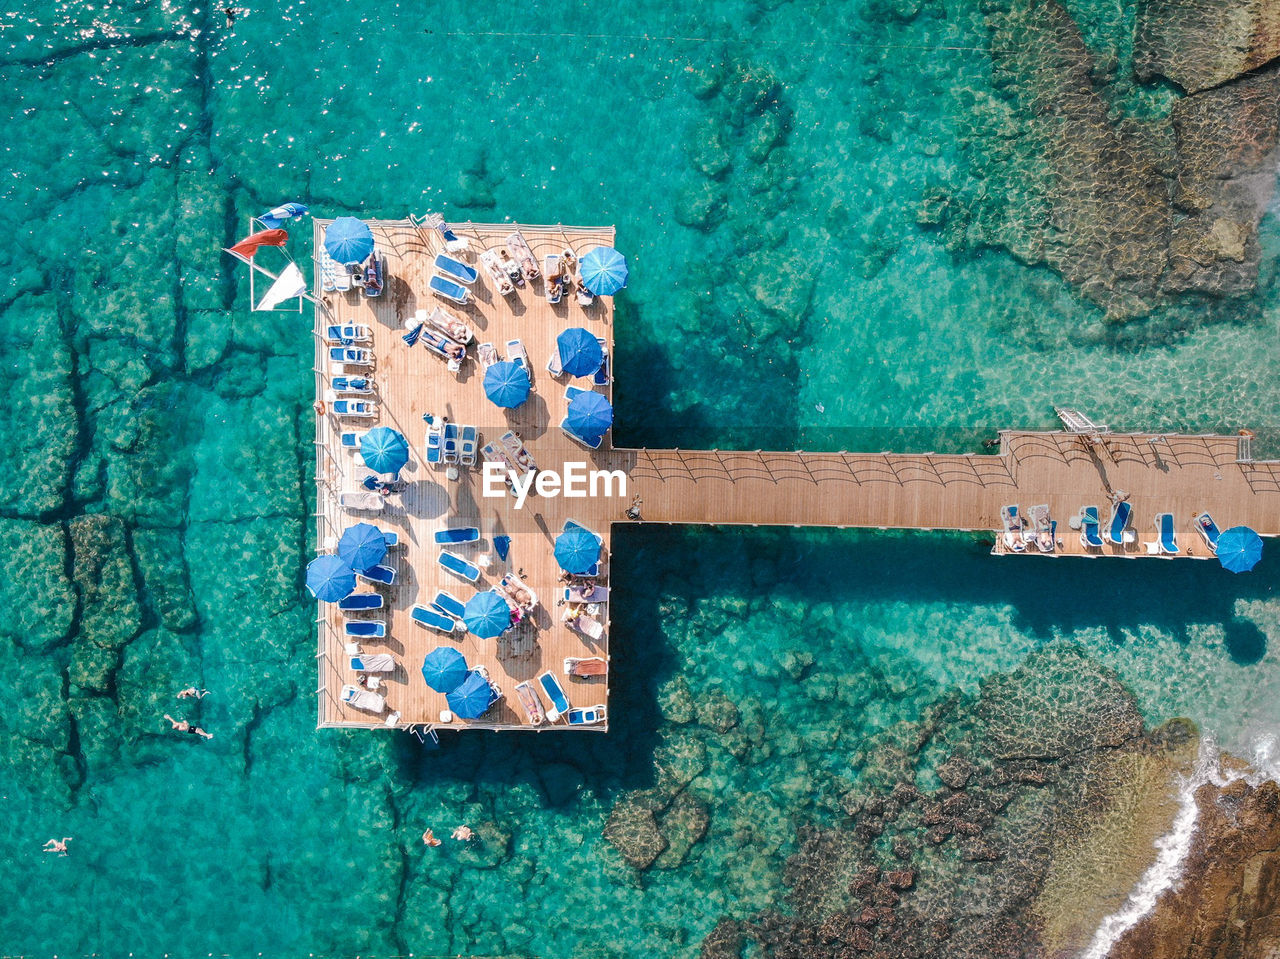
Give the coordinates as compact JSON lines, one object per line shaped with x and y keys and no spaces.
{"x":1180,"y":474}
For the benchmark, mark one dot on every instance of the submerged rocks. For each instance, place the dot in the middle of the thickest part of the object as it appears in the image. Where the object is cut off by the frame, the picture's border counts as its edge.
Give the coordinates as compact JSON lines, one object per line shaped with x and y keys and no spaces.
{"x":1123,"y":209}
{"x":1199,"y":44}
{"x":634,"y":831}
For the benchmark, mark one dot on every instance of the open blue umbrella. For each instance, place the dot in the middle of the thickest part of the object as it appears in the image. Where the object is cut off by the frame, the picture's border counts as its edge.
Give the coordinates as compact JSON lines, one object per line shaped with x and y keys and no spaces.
{"x":444,"y":668}
{"x":589,"y":415}
{"x":577,"y":549}
{"x":330,"y":578}
{"x":604,"y":270}
{"x":507,"y":384}
{"x":362,"y":546}
{"x":486,"y":615}
{"x":472,"y":698}
{"x":580,"y":352}
{"x":1239,"y":549}
{"x":384,"y":450}
{"x":348,"y":240}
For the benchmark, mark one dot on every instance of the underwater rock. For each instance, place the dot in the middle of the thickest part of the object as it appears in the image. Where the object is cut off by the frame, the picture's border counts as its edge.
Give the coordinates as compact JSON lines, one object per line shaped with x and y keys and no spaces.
{"x":110,"y":614}
{"x":35,"y":566}
{"x":683,"y":825}
{"x":1201,"y":43}
{"x":164,"y":574}
{"x":1225,"y":903}
{"x":675,"y":700}
{"x":716,"y":712}
{"x":701,"y":205}
{"x":633,"y":830}
{"x":900,"y":879}
{"x":955,"y":772}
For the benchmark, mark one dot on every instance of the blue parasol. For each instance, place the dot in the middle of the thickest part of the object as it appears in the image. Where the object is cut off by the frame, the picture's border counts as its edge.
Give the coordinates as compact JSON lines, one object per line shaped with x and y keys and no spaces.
{"x":580,"y":352}
{"x":330,"y":579}
{"x":362,"y":546}
{"x":577,"y":549}
{"x":348,"y":240}
{"x":384,"y":450}
{"x":507,"y":384}
{"x":486,"y":615}
{"x":603,"y":270}
{"x":589,"y":415}
{"x":444,"y":668}
{"x":1239,"y":549}
{"x":472,"y":698}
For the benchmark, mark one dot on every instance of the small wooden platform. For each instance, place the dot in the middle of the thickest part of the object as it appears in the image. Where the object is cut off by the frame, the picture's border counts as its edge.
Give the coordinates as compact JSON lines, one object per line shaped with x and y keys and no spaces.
{"x":1180,"y":474}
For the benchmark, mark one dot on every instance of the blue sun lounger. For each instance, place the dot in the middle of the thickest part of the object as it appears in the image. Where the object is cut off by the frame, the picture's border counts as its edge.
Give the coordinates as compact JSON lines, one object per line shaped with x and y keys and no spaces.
{"x":586,"y":716}
{"x":464,"y":534}
{"x":555,"y":694}
{"x":1090,"y":535}
{"x":1168,"y":536}
{"x":1208,"y":529}
{"x":366,"y":629}
{"x":433,"y":447}
{"x":467,"y":448}
{"x":354,"y":408}
{"x":449,"y":452}
{"x":351,"y":441}
{"x":445,"y":287}
{"x":449,"y":604}
{"x":350,"y":354}
{"x":455,"y":269}
{"x":458,"y":566}
{"x":352,"y":384}
{"x":432,"y":619}
{"x":1119,"y":520}
{"x":382,"y":575}
{"x":360,"y":601}
{"x":392,"y":539}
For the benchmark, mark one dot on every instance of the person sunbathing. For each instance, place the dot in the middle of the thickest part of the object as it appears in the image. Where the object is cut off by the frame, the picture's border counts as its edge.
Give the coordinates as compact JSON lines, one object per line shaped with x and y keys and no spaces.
{"x":454,"y":350}
{"x":517,"y":592}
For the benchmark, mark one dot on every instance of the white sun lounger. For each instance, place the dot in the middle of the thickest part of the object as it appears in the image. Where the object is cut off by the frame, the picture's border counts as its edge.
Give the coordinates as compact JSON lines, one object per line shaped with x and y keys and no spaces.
{"x":528,"y":697}
{"x":489,"y":259}
{"x":450,"y":325}
{"x":554,"y":366}
{"x":352,"y":355}
{"x":487,"y":355}
{"x":586,"y":715}
{"x":361,"y":500}
{"x":518,"y":247}
{"x":555,"y":694}
{"x":516,"y":353}
{"x":365,"y":699}
{"x":352,"y":384}
{"x":555,"y":280}
{"x":517,"y":452}
{"x":449,"y":446}
{"x":347,"y":333}
{"x":374,"y":663}
{"x":1012,"y":522}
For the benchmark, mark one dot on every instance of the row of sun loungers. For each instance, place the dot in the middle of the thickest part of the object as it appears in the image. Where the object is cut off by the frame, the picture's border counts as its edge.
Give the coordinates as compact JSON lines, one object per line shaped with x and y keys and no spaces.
{"x":452,"y":444}
{"x":1094,"y":534}
{"x":348,"y":334}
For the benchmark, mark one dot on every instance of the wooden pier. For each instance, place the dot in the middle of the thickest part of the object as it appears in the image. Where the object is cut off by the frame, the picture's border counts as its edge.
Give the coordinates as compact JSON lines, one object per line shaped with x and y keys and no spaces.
{"x":1180,"y":474}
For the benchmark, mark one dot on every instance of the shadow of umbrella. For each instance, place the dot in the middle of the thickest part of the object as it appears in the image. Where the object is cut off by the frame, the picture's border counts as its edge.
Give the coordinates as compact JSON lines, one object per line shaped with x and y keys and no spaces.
{"x":425,"y":498}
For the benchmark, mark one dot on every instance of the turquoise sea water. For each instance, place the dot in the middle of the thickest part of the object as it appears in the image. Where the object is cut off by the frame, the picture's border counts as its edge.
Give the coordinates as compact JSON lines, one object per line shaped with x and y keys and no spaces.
{"x":764,"y":164}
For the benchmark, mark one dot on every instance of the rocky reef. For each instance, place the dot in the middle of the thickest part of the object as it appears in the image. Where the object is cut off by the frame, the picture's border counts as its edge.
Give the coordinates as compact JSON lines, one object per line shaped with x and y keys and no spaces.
{"x":1135,"y":196}
{"x":1226,"y":902}
{"x":960,"y":826}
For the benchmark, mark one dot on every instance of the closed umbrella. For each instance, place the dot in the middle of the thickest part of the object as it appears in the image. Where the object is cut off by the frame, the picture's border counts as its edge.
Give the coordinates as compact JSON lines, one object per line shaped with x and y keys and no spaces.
{"x":603,"y":270}
{"x":330,"y":579}
{"x":362,"y":546}
{"x":577,"y":549}
{"x":486,"y":615}
{"x":348,"y":240}
{"x":507,"y":384}
{"x":444,"y":669}
{"x":472,"y":698}
{"x":384,"y":450}
{"x":590,"y":415}
{"x":1239,"y":549}
{"x":580,"y":351}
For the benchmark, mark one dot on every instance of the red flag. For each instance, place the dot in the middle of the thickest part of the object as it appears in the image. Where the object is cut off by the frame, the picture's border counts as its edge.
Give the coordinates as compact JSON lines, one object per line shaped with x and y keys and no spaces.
{"x":247,"y":247}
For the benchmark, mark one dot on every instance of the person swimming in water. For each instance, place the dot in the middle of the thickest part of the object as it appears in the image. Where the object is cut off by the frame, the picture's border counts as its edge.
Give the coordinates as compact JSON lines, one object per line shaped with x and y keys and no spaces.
{"x":58,"y":845}
{"x":182,"y":726}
